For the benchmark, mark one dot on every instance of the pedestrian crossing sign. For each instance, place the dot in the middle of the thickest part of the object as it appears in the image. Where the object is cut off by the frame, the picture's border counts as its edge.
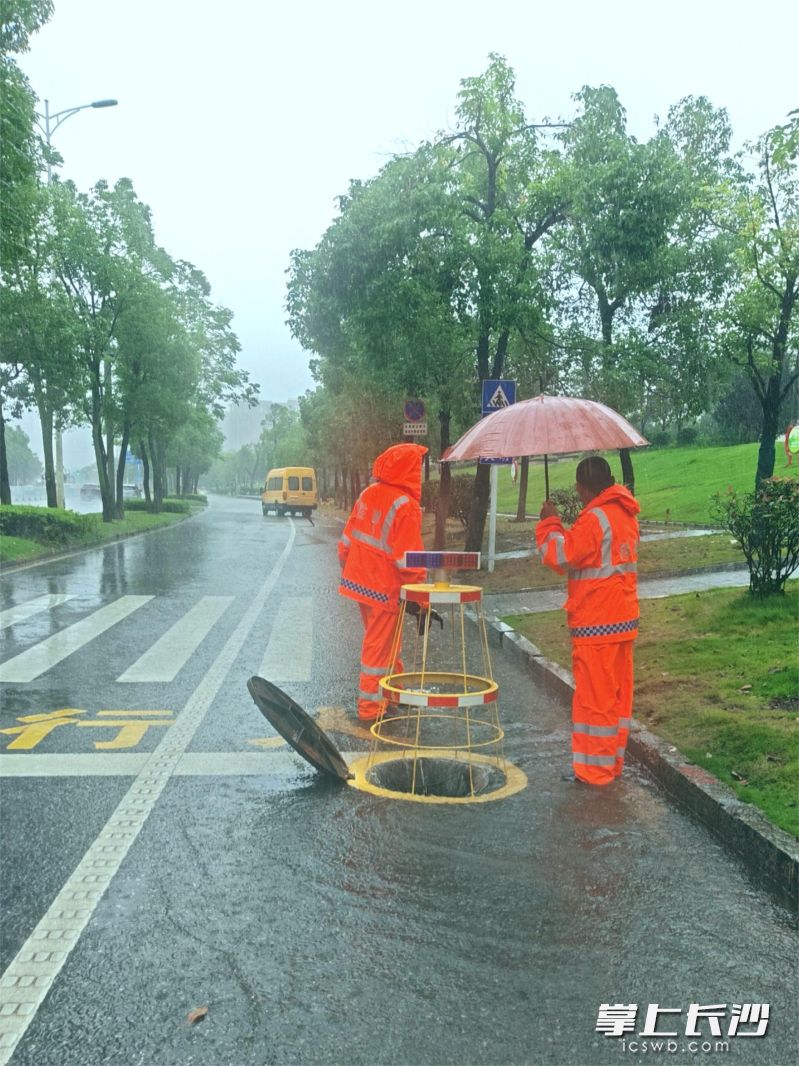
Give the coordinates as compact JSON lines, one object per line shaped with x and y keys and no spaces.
{"x":498,"y":393}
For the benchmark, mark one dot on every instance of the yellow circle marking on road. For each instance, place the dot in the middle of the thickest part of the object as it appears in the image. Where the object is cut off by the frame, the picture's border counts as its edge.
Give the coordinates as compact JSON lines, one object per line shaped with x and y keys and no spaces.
{"x":515,"y":779}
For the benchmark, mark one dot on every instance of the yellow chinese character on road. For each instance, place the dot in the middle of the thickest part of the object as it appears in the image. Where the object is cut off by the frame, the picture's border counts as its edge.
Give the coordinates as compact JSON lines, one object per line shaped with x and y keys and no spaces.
{"x":35,"y":727}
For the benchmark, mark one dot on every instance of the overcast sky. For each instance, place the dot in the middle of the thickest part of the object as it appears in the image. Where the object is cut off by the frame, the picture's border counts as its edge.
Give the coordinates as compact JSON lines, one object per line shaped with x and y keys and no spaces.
{"x":240,"y":123}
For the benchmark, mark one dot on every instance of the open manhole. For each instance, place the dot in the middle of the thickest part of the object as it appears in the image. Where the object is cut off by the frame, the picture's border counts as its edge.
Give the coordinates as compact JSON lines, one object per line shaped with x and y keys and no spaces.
{"x":437,"y":777}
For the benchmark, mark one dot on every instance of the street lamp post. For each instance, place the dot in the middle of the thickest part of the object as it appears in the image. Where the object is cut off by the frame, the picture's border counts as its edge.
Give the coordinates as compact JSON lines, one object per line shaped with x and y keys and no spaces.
{"x":50,"y":121}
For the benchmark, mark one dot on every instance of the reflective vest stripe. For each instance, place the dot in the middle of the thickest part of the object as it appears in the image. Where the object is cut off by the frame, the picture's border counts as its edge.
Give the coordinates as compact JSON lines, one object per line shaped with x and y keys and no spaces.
{"x":593,"y":760}
{"x":379,"y":671}
{"x":345,"y":540}
{"x":373,"y":697}
{"x":381,"y":543}
{"x":367,"y":538}
{"x":625,"y":723}
{"x":594,"y":730}
{"x":389,"y":519}
{"x":560,"y":547}
{"x":353,"y":586}
{"x":606,"y":569}
{"x":605,"y":630}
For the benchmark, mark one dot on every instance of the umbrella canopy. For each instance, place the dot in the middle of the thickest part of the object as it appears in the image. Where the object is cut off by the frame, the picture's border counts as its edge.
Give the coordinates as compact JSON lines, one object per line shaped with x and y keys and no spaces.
{"x":545,"y":425}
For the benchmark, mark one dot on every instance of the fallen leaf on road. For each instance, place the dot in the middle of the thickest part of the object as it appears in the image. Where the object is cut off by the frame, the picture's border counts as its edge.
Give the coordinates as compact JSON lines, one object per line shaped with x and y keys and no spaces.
{"x":196,"y":1015}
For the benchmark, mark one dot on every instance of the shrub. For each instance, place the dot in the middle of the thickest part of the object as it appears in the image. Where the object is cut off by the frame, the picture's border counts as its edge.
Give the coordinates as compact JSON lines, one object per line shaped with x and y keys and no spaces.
{"x":568,"y":503}
{"x":460,"y":496}
{"x":766,"y":525}
{"x":661,"y":439}
{"x":170,"y":504}
{"x":687,"y":435}
{"x":47,"y":525}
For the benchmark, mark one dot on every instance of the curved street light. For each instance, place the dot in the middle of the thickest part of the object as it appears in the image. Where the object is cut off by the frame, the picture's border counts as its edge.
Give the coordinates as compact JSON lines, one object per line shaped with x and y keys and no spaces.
{"x":50,"y":121}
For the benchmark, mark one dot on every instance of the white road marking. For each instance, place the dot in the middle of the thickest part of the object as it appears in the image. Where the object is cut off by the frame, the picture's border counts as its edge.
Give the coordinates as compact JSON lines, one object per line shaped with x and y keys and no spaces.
{"x":288,"y":653}
{"x":11,"y":615}
{"x":171,"y":652}
{"x":128,"y":764}
{"x":29,"y":664}
{"x":31,"y":973}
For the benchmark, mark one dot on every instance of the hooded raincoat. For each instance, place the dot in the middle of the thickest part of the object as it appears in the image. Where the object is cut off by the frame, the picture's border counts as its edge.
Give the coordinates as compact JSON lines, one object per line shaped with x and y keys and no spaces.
{"x":599,"y":554}
{"x":385,"y":522}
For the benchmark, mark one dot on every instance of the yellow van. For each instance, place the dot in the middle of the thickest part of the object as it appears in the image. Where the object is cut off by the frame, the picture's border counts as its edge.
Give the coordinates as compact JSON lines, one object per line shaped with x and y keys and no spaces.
{"x":290,"y":488}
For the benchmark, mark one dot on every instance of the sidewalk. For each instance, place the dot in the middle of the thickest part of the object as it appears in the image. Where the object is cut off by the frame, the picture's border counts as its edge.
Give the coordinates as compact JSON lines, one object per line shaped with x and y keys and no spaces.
{"x":771,"y":855}
{"x":499,"y":604}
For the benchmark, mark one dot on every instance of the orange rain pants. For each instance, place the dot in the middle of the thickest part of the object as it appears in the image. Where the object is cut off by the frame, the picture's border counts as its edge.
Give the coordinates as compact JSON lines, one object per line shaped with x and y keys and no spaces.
{"x":601,"y":709}
{"x":378,"y":641}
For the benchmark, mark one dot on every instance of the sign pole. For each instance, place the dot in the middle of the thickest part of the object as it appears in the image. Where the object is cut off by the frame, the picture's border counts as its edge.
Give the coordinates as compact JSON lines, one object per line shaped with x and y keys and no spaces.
{"x":492,"y":518}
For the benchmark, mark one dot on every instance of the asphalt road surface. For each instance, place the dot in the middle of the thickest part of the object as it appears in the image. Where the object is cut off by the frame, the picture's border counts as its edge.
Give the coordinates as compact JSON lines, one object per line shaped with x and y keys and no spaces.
{"x":164,"y":852}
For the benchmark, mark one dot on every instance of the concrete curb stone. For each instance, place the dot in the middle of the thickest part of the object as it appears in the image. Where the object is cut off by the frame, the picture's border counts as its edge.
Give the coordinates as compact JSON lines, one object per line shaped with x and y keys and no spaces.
{"x":770,"y":854}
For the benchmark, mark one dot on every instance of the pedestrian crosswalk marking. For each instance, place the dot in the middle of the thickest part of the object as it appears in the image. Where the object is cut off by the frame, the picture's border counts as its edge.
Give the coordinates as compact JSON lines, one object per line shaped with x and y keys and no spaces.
{"x":288,"y":653}
{"x":172,"y":651}
{"x":30,"y":664}
{"x":499,"y":399}
{"x":22,"y":611}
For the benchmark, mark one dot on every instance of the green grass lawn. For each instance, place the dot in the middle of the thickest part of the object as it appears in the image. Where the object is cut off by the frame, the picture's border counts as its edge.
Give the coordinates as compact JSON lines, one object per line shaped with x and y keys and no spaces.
{"x":717,"y":675}
{"x":18,"y":549}
{"x":671,"y":484}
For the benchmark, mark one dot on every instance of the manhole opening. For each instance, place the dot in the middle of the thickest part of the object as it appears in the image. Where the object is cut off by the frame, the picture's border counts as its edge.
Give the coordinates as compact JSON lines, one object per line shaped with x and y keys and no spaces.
{"x":436,"y":777}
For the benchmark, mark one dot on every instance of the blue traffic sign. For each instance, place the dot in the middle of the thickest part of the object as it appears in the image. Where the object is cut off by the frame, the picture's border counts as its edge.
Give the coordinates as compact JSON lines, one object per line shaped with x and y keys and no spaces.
{"x":498,"y":393}
{"x":414,"y":410}
{"x":504,"y":461}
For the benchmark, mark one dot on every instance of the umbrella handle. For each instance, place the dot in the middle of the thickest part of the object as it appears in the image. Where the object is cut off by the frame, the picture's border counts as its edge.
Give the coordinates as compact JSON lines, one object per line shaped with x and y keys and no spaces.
{"x":546,"y":477}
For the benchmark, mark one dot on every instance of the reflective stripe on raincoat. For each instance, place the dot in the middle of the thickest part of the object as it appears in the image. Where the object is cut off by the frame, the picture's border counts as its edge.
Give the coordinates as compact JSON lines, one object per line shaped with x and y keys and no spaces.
{"x":385,"y":522}
{"x":600,"y":556}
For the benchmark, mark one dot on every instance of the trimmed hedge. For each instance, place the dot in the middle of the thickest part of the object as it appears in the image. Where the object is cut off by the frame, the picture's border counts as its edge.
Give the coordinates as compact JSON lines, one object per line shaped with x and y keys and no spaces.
{"x":44,"y":524}
{"x":169,"y":505}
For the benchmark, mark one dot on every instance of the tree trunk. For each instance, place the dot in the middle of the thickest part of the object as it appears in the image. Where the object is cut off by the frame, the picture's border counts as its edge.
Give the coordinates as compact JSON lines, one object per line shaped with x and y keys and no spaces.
{"x":444,"y":485}
{"x":768,"y":433}
{"x":145,"y":474}
{"x":478,"y":509}
{"x":119,"y":509}
{"x":101,"y":460}
{"x":158,"y":485}
{"x":5,"y":484}
{"x":46,"y":420}
{"x":521,"y":510}
{"x":178,"y":481}
{"x":627,"y":472}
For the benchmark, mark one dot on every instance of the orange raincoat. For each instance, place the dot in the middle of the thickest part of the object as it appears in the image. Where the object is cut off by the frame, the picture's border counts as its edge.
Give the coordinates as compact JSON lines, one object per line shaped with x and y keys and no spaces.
{"x":385,"y":522}
{"x":600,"y":555}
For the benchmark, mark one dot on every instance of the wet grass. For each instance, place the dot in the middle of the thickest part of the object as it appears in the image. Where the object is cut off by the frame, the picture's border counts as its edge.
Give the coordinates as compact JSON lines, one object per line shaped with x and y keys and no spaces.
{"x":717,"y":676}
{"x":96,"y":532}
{"x":671,"y":484}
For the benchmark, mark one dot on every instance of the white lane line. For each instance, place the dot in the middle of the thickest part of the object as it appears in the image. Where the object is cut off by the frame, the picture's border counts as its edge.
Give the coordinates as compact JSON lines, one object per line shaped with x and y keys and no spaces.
{"x":288,"y":652}
{"x":84,"y":764}
{"x":128,"y":764}
{"x":29,"y":664}
{"x":171,"y":652}
{"x":31,"y":973}
{"x":11,"y":615}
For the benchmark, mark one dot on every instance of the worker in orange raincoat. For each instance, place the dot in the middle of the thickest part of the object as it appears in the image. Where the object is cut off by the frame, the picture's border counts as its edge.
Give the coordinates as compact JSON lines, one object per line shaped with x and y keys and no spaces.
{"x":385,"y":522}
{"x":600,"y":555}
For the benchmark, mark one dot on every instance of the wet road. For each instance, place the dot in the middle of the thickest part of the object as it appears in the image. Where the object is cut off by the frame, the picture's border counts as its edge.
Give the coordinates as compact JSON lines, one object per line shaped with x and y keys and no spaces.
{"x":162,"y":851}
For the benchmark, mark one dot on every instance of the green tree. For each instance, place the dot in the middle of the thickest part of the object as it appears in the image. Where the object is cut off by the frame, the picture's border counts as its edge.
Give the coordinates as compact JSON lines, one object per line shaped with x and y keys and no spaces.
{"x":24,"y":467}
{"x":759,"y":323}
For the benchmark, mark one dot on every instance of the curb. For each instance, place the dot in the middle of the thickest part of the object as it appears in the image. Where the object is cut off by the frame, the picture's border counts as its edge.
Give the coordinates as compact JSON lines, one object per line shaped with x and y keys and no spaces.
{"x":770,"y":854}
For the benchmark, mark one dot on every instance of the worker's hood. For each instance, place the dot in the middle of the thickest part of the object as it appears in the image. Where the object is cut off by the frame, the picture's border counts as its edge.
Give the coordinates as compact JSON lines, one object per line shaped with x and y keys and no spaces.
{"x":620,"y":495}
{"x":401,"y":465}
